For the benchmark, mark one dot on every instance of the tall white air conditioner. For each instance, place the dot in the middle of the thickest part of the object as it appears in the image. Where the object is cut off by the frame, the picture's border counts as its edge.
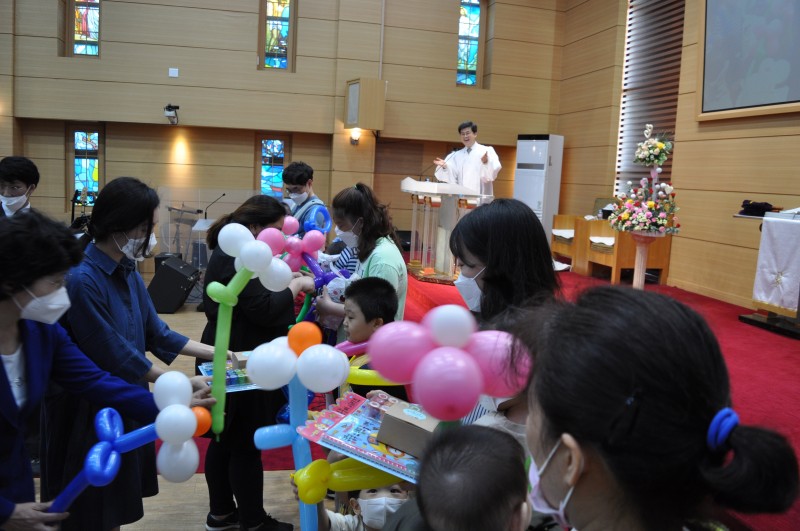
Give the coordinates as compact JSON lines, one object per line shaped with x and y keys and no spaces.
{"x":537,"y":178}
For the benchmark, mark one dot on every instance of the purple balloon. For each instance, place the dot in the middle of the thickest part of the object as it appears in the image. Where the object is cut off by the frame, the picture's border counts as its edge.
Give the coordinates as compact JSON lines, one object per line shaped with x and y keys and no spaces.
{"x":492,"y":350}
{"x":352,"y":349}
{"x":447,"y":383}
{"x":396,"y":348}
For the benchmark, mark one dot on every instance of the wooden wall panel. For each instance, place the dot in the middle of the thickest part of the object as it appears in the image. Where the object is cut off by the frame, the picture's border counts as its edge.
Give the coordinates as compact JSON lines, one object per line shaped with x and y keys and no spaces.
{"x":360,"y":10}
{"x":421,"y":48}
{"x":595,"y":52}
{"x":359,"y":41}
{"x":757,"y":164}
{"x":65,"y":99}
{"x":245,"y":6}
{"x":517,"y":21}
{"x":177,"y":26}
{"x":132,"y":63}
{"x":595,"y":127}
{"x":515,"y":58}
{"x":431,"y":86}
{"x":719,"y":271}
{"x":592,"y":90}
{"x":319,"y":38}
{"x":591,"y":17}
{"x":431,"y":122}
{"x":320,"y":9}
{"x":438,"y":16}
{"x":587,"y":165}
{"x":578,"y":200}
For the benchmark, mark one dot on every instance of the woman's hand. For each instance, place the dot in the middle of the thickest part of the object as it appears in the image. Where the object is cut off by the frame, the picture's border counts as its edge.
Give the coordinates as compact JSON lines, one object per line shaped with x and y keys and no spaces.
{"x":32,"y":516}
{"x":200,"y":382}
{"x":302,"y":284}
{"x":202,"y":397}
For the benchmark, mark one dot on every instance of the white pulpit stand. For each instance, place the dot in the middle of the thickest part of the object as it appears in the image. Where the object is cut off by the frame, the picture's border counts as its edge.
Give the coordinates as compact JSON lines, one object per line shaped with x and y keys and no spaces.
{"x":436,"y":208}
{"x":776,"y":289}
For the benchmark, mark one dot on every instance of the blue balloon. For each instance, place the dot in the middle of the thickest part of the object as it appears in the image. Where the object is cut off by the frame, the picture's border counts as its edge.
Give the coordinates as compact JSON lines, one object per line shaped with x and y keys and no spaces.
{"x":136,"y":438}
{"x":102,"y":464}
{"x":312,"y":220}
{"x":271,"y":437}
{"x":108,"y":424}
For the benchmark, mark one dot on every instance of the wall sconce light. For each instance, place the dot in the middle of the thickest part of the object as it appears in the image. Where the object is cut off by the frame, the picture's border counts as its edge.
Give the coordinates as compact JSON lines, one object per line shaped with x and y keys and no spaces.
{"x":355,"y":136}
{"x":171,"y":113}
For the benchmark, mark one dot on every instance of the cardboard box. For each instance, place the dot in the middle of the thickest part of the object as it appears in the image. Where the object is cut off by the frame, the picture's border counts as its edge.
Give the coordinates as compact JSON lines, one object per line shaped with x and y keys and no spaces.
{"x":407,"y":427}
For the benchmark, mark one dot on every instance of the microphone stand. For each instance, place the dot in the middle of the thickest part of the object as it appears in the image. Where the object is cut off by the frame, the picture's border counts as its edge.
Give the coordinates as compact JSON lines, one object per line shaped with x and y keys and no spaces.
{"x":205,"y":213}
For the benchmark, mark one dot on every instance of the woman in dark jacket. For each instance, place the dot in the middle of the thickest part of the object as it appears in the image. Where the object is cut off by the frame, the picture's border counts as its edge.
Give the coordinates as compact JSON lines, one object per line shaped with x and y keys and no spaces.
{"x":233,"y":466}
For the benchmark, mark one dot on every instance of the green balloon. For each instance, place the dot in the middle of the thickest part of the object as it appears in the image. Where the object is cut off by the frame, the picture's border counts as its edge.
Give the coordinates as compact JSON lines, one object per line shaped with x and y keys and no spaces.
{"x":226,"y":297}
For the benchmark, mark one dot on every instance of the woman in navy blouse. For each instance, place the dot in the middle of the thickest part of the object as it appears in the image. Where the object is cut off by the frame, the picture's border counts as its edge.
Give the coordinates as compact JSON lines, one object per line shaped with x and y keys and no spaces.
{"x":35,"y":350}
{"x":113,"y":321}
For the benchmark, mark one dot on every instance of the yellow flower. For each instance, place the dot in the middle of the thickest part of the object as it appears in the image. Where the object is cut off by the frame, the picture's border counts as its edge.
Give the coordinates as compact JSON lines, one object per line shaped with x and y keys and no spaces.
{"x":660,"y":145}
{"x":625,"y":216}
{"x":650,"y":204}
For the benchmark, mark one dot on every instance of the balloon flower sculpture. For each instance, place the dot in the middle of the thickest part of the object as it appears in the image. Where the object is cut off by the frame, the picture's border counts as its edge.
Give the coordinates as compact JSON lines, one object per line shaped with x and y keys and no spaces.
{"x":298,"y":252}
{"x":175,"y":425}
{"x":447,"y":362}
{"x":301,"y":361}
{"x":253,"y":257}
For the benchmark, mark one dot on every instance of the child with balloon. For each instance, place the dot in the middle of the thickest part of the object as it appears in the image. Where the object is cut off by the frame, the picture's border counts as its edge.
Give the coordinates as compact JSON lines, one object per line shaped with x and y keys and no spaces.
{"x":233,"y":468}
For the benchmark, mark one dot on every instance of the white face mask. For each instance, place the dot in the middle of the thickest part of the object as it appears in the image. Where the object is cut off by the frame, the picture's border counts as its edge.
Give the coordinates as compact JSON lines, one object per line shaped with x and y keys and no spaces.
{"x":46,"y":309}
{"x":348,"y":237}
{"x":12,"y":204}
{"x":375,"y":511}
{"x":538,"y":502}
{"x":132,"y":247}
{"x":299,"y":199}
{"x":469,"y":290}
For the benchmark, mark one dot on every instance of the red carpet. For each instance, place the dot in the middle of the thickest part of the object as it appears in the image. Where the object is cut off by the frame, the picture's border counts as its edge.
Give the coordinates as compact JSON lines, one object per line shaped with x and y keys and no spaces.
{"x":764,"y":368}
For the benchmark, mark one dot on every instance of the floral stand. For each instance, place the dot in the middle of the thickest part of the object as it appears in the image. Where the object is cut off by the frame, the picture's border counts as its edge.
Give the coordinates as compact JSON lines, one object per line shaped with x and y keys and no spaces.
{"x":643,"y":241}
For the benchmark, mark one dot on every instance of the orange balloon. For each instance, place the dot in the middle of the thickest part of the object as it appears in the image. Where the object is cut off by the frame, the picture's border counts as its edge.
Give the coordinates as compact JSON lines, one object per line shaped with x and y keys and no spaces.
{"x":203,"y":420}
{"x":303,"y":335}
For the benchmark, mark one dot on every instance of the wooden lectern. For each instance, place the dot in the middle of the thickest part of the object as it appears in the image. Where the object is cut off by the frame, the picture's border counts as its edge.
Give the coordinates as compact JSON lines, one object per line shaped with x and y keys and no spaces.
{"x":436,"y":208}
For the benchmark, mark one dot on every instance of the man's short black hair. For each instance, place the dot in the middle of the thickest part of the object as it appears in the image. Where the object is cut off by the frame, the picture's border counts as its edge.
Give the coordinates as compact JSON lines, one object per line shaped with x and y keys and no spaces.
{"x":375,"y":297}
{"x":472,"y":126}
{"x":19,"y":169}
{"x":298,"y":173}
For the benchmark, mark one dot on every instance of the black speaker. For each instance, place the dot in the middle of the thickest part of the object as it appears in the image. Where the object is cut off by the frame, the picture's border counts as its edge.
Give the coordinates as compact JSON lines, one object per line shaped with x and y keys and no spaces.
{"x":171,"y":284}
{"x":161,"y":257}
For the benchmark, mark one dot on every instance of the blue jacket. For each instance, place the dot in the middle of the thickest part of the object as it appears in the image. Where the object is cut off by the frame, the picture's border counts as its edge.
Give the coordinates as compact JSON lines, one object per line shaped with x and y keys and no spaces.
{"x":50,"y":355}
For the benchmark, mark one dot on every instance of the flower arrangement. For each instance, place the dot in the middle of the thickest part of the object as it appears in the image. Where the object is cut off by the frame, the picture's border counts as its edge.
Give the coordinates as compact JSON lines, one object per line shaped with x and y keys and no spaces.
{"x":654,"y":151}
{"x":649,"y":208}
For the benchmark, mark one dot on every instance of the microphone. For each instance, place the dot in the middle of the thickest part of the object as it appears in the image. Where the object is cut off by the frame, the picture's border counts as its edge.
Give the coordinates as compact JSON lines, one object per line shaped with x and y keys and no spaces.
{"x":205,"y":213}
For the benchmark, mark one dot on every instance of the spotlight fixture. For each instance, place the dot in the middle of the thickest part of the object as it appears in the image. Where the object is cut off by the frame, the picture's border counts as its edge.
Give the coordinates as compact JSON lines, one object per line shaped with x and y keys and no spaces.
{"x":355,"y":135}
{"x":171,"y":113}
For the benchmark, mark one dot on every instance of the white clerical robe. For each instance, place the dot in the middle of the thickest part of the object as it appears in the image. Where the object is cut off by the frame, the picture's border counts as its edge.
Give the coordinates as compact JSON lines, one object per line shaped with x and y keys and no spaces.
{"x":466,"y":168}
{"x":778,"y":270}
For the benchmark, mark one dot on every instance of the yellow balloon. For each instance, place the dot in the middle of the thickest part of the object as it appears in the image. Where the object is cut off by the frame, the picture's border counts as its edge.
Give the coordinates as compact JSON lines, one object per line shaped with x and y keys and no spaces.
{"x":314,"y":480}
{"x":368,"y":377}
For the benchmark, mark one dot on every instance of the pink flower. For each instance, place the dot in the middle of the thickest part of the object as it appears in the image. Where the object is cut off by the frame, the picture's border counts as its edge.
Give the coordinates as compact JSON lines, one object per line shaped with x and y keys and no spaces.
{"x":662,"y":215}
{"x":662,"y":229}
{"x":648,"y":215}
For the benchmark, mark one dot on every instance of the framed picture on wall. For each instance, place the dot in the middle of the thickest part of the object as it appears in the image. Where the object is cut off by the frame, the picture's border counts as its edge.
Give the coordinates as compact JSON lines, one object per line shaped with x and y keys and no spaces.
{"x":749,"y":63}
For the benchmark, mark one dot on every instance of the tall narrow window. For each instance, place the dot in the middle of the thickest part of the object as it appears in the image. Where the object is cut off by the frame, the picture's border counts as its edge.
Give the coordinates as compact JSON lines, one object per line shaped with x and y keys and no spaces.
{"x":277,"y":32}
{"x":650,"y":81}
{"x":86,"y":165}
{"x":469,"y":38}
{"x":272,"y":155}
{"x":86,"y":23}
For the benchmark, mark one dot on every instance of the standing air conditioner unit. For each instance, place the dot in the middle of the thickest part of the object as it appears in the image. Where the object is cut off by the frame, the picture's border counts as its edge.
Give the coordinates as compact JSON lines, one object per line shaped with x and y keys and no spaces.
{"x":537,"y":178}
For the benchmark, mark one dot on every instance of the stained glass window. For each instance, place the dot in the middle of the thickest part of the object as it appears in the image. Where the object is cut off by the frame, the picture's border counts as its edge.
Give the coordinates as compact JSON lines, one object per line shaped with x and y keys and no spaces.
{"x":86,"y":40}
{"x":276,"y":43}
{"x":469,"y":26}
{"x":272,"y":168}
{"x":87,"y":173}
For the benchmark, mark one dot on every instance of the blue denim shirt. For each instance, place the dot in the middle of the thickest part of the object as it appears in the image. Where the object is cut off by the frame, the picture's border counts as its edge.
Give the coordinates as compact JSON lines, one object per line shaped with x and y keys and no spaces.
{"x":112,"y":318}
